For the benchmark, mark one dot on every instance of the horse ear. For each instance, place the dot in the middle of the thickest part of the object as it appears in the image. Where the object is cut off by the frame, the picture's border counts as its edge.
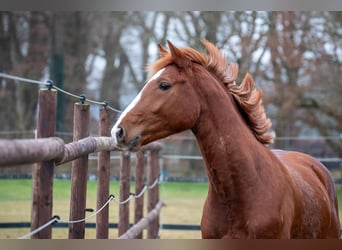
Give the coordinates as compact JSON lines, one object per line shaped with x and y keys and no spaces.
{"x":177,"y":55}
{"x":162,"y":50}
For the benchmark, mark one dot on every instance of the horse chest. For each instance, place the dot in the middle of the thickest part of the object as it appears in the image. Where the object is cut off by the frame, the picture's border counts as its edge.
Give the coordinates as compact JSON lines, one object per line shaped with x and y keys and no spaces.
{"x":222,"y":219}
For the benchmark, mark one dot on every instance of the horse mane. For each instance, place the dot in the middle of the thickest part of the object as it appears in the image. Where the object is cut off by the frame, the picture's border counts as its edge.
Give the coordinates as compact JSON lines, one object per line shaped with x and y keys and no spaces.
{"x":247,"y":98}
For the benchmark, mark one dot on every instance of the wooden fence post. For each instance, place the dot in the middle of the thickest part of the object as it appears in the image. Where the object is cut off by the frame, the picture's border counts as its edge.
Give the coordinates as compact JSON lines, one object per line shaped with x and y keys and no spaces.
{"x":153,"y":193}
{"x":125,"y":171}
{"x":103,"y":174}
{"x":79,"y":173}
{"x":43,"y":172}
{"x":139,"y":185}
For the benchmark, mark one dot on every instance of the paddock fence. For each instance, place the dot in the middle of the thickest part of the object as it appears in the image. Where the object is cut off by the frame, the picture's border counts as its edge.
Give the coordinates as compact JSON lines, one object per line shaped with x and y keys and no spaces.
{"x":48,"y":151}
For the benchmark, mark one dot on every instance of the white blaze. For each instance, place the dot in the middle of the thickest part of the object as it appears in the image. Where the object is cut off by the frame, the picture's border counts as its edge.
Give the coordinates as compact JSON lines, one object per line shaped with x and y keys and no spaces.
{"x":156,"y":75}
{"x":133,"y":103}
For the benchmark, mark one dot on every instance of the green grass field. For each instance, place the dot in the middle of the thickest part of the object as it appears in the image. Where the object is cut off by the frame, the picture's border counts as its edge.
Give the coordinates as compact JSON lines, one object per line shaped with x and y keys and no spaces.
{"x":184,"y":203}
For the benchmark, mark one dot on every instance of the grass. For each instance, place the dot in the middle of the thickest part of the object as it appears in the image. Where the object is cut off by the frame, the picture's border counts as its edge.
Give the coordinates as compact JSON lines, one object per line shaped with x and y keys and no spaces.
{"x":184,"y":202}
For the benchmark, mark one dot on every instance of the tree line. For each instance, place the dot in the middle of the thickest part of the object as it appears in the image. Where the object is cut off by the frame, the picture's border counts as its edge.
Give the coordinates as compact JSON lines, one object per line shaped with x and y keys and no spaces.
{"x":295,"y":57}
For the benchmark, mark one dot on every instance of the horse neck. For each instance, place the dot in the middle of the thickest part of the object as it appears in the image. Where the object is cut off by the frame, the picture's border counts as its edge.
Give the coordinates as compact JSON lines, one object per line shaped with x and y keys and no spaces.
{"x":228,"y":146}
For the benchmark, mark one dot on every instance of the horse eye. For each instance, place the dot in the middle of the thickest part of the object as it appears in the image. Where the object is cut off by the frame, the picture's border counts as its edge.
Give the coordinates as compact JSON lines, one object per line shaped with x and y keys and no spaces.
{"x":164,"y":86}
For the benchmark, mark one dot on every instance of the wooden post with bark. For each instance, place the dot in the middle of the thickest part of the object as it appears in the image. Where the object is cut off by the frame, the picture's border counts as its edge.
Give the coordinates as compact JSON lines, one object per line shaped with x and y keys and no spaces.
{"x":103,"y":174}
{"x":79,"y":173}
{"x":42,"y":177}
{"x":153,"y":193}
{"x":139,"y":186}
{"x":125,"y":171}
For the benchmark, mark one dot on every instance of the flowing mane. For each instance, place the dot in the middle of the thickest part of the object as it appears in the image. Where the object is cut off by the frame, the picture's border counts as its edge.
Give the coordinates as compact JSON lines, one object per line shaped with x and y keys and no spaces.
{"x":247,"y":98}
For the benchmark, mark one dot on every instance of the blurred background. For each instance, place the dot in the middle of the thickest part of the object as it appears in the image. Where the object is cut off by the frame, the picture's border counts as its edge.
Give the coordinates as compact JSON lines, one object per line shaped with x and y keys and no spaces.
{"x":294,"y":57}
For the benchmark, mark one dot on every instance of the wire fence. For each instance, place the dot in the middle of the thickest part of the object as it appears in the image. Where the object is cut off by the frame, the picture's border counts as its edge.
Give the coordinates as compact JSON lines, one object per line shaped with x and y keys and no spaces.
{"x":39,"y":223}
{"x":56,"y":218}
{"x":49,"y":84}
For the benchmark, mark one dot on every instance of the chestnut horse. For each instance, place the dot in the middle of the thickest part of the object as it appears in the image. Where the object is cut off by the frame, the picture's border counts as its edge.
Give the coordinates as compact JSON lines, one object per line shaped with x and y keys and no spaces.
{"x":254,"y":192}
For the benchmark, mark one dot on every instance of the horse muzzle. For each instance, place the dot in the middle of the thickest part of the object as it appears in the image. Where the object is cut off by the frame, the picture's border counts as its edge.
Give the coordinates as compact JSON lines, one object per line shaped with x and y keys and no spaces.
{"x":121,"y":141}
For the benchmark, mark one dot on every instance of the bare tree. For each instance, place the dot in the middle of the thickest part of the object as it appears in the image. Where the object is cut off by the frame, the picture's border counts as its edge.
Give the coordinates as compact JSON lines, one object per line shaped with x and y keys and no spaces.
{"x":294,"y":56}
{"x":304,"y":72}
{"x":27,"y":51}
{"x":8,"y":49}
{"x":123,"y":31}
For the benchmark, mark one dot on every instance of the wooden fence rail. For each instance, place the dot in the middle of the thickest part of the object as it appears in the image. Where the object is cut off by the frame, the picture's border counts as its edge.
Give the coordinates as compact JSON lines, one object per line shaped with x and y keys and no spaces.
{"x":28,"y":151}
{"x":144,"y":222}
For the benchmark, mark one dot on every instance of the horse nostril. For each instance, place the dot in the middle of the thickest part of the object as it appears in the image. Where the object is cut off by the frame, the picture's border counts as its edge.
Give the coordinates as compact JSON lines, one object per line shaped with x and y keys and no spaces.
{"x":120,"y":134}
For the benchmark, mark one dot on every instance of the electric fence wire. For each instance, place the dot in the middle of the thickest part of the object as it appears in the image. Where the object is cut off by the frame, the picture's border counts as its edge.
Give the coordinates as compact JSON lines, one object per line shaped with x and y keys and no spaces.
{"x":49,"y":84}
{"x":56,"y":218}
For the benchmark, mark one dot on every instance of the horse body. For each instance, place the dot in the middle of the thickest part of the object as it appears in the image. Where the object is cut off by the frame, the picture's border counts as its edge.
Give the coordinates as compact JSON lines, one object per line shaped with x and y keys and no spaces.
{"x":253,"y":192}
{"x":258,"y":192}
